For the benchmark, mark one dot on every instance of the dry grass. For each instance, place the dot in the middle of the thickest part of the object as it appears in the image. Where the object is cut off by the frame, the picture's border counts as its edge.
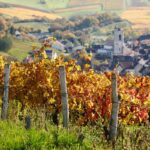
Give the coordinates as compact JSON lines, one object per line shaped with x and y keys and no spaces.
{"x":139,"y":17}
{"x":23,"y":13}
{"x":83,"y":2}
{"x":77,"y":9}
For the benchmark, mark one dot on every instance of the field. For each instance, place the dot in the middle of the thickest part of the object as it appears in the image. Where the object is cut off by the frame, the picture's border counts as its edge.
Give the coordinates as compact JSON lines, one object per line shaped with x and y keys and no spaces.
{"x":14,"y":136}
{"x":73,"y":3}
{"x":50,"y":4}
{"x":21,"y":48}
{"x":139,"y":17}
{"x":43,"y":26}
{"x":27,"y":13}
{"x":64,"y":8}
{"x":80,"y":9}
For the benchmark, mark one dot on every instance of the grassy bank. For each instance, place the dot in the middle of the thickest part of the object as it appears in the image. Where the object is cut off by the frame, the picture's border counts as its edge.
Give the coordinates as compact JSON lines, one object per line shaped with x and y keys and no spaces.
{"x":21,"y":48}
{"x":13,"y":136}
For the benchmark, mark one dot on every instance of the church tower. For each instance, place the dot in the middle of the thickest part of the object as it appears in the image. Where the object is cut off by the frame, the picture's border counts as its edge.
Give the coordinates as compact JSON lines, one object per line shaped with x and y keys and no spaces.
{"x":118,"y":41}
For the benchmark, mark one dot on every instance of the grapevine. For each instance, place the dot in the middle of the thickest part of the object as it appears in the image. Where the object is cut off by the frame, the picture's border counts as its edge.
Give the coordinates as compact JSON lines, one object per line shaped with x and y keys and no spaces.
{"x":36,"y":84}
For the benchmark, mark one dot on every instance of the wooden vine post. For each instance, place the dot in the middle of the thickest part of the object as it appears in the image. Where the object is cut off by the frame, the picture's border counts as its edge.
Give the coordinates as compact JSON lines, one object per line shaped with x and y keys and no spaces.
{"x":64,"y":96}
{"x":115,"y":110}
{"x":6,"y":92}
{"x":27,"y":122}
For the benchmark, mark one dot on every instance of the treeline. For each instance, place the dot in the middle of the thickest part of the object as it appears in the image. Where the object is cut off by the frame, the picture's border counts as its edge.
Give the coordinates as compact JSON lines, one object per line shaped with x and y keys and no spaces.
{"x":82,"y":22}
{"x":5,"y":40}
{"x":78,"y":29}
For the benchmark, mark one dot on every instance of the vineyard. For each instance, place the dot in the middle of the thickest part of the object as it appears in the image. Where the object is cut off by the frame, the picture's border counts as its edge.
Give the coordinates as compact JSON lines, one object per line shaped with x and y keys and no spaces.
{"x":36,"y":85}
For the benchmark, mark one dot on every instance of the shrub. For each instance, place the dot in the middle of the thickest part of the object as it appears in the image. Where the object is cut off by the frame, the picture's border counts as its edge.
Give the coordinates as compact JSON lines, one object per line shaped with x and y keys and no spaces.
{"x":5,"y":44}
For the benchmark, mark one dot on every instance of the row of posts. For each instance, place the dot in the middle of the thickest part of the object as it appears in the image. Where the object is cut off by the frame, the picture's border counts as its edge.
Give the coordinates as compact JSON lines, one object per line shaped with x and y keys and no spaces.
{"x":64,"y":96}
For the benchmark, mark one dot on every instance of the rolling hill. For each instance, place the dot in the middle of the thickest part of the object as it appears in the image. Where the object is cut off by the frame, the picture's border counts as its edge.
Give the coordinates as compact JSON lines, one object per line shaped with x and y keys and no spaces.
{"x":138,"y":16}
{"x":67,"y":6}
{"x":25,"y":13}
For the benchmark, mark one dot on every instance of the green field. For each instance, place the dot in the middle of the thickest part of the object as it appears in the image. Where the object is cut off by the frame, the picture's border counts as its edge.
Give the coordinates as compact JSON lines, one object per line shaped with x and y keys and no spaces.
{"x":69,"y":7}
{"x":21,"y":48}
{"x":61,"y":7}
{"x":14,"y":136}
{"x":65,"y":8}
{"x":35,"y":25}
{"x":84,"y":10}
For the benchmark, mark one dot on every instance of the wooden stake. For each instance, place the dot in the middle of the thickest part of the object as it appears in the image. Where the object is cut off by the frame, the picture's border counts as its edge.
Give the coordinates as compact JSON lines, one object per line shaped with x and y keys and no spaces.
{"x":6,"y":92}
{"x":64,"y":96}
{"x":27,"y":122}
{"x":115,"y":110}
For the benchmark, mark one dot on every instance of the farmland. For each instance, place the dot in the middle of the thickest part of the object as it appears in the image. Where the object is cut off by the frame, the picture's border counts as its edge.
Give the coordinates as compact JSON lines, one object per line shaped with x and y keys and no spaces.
{"x":43,"y":26}
{"x":50,"y":4}
{"x":60,"y":104}
{"x":27,"y":13}
{"x":64,"y":8}
{"x":21,"y":48}
{"x":73,"y":3}
{"x":80,"y":9}
{"x":139,"y":17}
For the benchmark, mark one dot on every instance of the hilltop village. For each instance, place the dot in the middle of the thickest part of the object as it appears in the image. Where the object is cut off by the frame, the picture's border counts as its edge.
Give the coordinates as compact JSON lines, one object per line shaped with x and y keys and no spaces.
{"x":125,"y":56}
{"x":103,"y":40}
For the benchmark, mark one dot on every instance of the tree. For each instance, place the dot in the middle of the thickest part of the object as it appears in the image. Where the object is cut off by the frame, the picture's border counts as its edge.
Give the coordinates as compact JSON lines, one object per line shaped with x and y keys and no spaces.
{"x":3,"y":27}
{"x":69,"y":36}
{"x":88,"y":22}
{"x":42,"y":2}
{"x":2,"y":24}
{"x":5,"y":44}
{"x":12,"y":30}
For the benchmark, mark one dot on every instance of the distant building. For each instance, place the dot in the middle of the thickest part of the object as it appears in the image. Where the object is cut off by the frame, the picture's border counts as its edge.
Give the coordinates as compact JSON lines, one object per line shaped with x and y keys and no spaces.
{"x":18,"y":34}
{"x":118,"y":41}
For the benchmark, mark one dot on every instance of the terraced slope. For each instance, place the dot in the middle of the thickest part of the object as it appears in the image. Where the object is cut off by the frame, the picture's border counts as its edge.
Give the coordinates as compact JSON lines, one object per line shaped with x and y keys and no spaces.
{"x":49,"y":4}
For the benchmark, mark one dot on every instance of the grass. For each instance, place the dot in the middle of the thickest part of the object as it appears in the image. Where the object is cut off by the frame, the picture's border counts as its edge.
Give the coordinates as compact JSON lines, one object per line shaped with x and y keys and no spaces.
{"x":35,"y":25}
{"x":139,"y":17}
{"x":80,"y":2}
{"x":27,"y":13}
{"x":21,"y":48}
{"x":65,"y":8}
{"x":27,"y":3}
{"x":69,"y":13}
{"x":16,"y":137}
{"x":110,"y":28}
{"x":44,"y":135}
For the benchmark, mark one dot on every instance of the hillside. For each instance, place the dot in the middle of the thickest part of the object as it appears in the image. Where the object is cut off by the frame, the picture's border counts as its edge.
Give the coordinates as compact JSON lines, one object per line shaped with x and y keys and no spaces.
{"x":68,"y":7}
{"x":21,"y":48}
{"x":139,"y":17}
{"x":25,"y":13}
{"x":49,"y":4}
{"x":72,"y":7}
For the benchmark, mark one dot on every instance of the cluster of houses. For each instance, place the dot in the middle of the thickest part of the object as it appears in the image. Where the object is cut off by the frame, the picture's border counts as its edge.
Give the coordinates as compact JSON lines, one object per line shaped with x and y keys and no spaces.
{"x":129,"y":56}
